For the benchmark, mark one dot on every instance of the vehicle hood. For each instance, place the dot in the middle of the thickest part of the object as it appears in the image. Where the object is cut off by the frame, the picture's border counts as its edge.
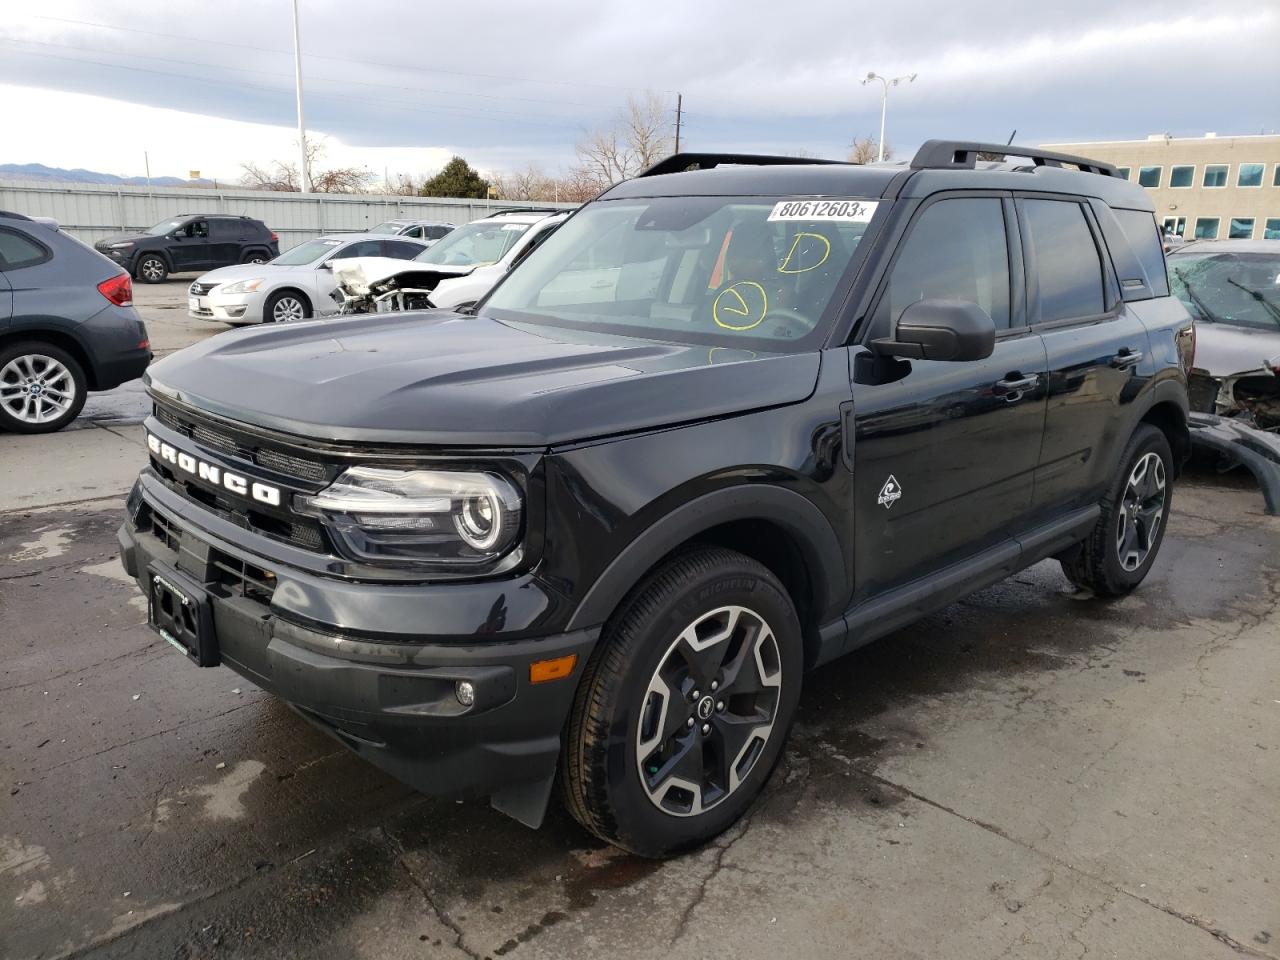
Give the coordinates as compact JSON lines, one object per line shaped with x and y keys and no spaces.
{"x":440,"y":378}
{"x":120,"y":238}
{"x":358,"y":276}
{"x":1223,"y":350}
{"x":244,"y":271}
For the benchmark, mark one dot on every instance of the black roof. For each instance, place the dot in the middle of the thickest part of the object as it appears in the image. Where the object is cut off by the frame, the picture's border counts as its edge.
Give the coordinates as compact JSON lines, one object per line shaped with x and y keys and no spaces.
{"x":938,"y":165}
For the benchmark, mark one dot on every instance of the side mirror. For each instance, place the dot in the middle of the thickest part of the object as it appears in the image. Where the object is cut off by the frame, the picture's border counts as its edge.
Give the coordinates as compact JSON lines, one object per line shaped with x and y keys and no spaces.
{"x":941,"y":330}
{"x":327,"y":265}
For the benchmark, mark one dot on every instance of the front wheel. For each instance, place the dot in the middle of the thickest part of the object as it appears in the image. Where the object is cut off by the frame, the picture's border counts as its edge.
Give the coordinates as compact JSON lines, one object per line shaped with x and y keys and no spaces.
{"x":685,"y":706}
{"x":286,"y":307}
{"x":151,"y":269}
{"x":1123,"y":544}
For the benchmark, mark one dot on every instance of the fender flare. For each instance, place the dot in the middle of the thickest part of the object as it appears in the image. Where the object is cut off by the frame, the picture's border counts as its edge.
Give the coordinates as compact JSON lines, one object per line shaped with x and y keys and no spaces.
{"x":160,"y":252}
{"x":791,"y":511}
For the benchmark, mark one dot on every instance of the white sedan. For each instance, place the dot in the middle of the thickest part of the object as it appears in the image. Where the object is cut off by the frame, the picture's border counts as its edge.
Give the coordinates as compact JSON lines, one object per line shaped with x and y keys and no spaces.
{"x":296,"y":285}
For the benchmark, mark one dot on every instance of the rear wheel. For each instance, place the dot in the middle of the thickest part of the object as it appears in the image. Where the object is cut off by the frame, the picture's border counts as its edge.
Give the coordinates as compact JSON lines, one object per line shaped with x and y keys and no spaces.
{"x":1123,"y":545}
{"x":42,"y":388}
{"x":287,"y":306}
{"x":685,"y":706}
{"x":151,"y":269}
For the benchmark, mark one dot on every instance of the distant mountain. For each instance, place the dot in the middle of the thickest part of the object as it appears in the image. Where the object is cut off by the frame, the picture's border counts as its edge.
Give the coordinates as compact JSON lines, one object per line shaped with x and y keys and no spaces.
{"x":38,"y":171}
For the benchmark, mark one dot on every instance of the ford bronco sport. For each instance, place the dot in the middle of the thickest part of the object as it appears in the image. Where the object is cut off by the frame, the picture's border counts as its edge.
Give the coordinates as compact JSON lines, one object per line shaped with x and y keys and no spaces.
{"x":735,"y":418}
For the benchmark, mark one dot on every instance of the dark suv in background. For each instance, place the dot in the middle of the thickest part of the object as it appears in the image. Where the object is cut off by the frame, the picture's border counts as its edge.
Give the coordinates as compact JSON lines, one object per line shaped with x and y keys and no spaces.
{"x":191,"y":242}
{"x":67,"y":326}
{"x":731,"y":420}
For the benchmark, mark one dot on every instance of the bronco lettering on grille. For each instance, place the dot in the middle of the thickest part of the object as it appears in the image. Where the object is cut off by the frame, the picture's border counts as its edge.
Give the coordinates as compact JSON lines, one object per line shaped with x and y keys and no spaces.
{"x":210,"y":473}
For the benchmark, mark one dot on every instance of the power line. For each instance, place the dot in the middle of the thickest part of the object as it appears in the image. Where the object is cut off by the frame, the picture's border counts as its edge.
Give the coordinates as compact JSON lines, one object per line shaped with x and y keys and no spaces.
{"x":278,"y":73}
{"x":321,"y":56}
{"x":399,"y":104}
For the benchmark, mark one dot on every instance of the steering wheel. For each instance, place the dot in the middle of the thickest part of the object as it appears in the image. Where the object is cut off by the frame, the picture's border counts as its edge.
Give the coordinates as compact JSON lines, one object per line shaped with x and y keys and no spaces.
{"x":785,"y":313}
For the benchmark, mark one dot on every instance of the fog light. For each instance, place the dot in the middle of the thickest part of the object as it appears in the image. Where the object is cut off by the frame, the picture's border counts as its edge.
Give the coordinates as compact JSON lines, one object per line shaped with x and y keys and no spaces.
{"x":465,"y":691}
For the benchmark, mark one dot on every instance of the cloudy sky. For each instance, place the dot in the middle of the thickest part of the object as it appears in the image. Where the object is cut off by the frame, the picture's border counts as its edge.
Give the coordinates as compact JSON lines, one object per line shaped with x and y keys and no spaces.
{"x":399,"y":86}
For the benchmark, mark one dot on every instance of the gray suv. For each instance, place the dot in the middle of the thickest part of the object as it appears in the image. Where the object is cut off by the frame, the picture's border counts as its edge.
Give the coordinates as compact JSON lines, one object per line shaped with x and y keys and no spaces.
{"x":67,"y":326}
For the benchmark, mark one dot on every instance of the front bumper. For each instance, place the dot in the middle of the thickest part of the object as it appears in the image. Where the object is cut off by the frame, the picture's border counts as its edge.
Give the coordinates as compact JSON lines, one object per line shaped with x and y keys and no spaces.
{"x":227,"y":308}
{"x":391,"y":701}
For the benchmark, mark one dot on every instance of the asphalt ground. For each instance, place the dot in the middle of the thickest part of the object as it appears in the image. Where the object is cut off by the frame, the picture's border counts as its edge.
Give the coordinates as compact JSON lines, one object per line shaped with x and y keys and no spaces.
{"x":1029,"y":773}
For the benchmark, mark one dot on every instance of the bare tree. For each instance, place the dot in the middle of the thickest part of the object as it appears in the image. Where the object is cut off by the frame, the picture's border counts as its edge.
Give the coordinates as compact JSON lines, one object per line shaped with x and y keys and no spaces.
{"x":639,"y":137}
{"x":527,"y":184}
{"x":867,"y":149}
{"x":284,"y":176}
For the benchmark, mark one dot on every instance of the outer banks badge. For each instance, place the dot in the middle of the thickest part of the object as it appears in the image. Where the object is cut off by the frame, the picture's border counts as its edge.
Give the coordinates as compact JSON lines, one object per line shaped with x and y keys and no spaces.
{"x":890,"y":492}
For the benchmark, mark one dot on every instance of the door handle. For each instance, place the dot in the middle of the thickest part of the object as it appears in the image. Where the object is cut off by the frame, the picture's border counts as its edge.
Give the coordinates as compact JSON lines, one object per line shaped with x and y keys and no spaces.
{"x":1012,"y":386}
{"x":1126,"y":359}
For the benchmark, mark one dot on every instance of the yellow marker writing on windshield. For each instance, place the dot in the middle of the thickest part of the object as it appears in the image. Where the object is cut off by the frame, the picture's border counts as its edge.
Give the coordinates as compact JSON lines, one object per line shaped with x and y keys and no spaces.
{"x":785,"y":265}
{"x":745,"y":302}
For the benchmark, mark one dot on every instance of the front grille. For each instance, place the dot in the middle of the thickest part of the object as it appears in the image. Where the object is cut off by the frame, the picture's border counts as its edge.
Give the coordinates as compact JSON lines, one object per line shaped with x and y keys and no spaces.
{"x":199,"y":289}
{"x":243,"y":578}
{"x":165,"y":530}
{"x":312,"y":471}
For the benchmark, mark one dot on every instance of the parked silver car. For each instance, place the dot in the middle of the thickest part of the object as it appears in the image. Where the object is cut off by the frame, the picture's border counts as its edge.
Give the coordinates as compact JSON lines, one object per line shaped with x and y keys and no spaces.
{"x":1232,"y":287}
{"x":428,"y":231}
{"x":296,"y":285}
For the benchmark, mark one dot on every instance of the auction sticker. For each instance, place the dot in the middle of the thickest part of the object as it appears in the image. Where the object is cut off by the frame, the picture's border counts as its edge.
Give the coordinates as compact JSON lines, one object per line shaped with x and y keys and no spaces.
{"x":850,"y":211}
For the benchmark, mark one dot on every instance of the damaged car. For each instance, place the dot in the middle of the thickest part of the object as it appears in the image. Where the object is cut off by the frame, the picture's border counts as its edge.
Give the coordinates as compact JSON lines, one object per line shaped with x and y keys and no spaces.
{"x":1232,"y":288}
{"x":455,"y":273}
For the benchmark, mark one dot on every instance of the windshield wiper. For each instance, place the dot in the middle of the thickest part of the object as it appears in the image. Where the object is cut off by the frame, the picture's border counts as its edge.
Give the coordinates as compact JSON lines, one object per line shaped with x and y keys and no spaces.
{"x":1205,"y":312}
{"x":1258,"y":295}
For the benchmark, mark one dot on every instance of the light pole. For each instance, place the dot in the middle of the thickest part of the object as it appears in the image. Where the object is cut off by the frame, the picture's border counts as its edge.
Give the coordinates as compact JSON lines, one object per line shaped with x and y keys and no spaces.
{"x":304,"y":177}
{"x":886,"y":82}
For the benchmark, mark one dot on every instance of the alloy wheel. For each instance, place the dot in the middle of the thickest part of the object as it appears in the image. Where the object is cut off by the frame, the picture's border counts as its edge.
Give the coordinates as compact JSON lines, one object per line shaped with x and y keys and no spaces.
{"x":287,"y":310}
{"x":152,"y":270}
{"x":1141,"y":511}
{"x":36,"y":389}
{"x":708,"y":711}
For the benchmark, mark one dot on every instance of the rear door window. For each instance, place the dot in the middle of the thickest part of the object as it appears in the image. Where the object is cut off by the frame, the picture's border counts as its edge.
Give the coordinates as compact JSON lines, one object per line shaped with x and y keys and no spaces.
{"x":1068,"y":266}
{"x":361,"y":248}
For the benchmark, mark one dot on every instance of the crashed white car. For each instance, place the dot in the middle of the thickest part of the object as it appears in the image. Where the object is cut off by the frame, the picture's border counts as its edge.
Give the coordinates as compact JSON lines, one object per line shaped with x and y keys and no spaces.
{"x":454,"y":273}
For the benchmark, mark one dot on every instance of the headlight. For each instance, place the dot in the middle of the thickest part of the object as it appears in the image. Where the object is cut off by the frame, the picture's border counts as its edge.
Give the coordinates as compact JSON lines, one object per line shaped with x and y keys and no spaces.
{"x":122,"y":245}
{"x":445,"y":517}
{"x":241,"y":286}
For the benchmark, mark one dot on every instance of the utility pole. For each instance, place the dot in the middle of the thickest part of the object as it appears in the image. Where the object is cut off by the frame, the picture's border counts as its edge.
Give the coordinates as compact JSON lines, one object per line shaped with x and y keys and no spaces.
{"x":304,"y":177}
{"x":679,"y":117}
{"x":886,"y":82}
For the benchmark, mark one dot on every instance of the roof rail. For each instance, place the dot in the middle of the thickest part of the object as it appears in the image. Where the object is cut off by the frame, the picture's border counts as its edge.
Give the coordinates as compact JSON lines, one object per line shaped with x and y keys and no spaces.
{"x":506,"y":210}
{"x":962,"y":155}
{"x":8,"y":214}
{"x":682,"y":162}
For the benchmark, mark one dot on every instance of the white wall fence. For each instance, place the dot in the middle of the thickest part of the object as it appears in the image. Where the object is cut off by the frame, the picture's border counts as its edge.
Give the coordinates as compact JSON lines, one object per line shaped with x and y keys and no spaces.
{"x":91,"y":211}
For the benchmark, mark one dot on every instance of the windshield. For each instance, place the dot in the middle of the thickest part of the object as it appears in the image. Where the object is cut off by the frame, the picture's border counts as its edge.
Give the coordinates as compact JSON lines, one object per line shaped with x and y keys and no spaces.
{"x":391,"y":226}
{"x":305,"y":253}
{"x":475,"y":244}
{"x":164,"y":228}
{"x":1240,"y":289}
{"x":715,"y":270}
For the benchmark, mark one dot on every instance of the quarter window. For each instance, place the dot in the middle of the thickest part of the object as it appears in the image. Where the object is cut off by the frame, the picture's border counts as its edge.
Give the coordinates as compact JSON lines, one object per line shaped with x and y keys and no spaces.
{"x":1250,"y":174}
{"x":1067,"y":263}
{"x":1215,"y":175}
{"x":957,"y":250}
{"x":1271,"y":229}
{"x":1206,"y":228}
{"x":1182,"y":176}
{"x":1149,"y":176}
{"x":18,"y":251}
{"x":1241,"y":228}
{"x":1140,"y":230}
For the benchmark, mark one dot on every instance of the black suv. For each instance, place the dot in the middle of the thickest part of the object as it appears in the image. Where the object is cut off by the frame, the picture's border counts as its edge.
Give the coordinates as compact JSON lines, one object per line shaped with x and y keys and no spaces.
{"x":735,"y":418}
{"x":191,"y":241}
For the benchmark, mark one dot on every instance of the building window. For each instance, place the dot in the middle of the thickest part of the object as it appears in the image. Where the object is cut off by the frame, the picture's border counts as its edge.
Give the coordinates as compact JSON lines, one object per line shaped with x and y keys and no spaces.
{"x":1182,"y":177}
{"x":1123,"y":173}
{"x":1271,"y":229}
{"x":1176,"y":226}
{"x":1275,"y":181}
{"x":1206,"y":228}
{"x":1149,"y":176}
{"x":1241,"y":228}
{"x":1250,"y":174}
{"x":1215,"y":174}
